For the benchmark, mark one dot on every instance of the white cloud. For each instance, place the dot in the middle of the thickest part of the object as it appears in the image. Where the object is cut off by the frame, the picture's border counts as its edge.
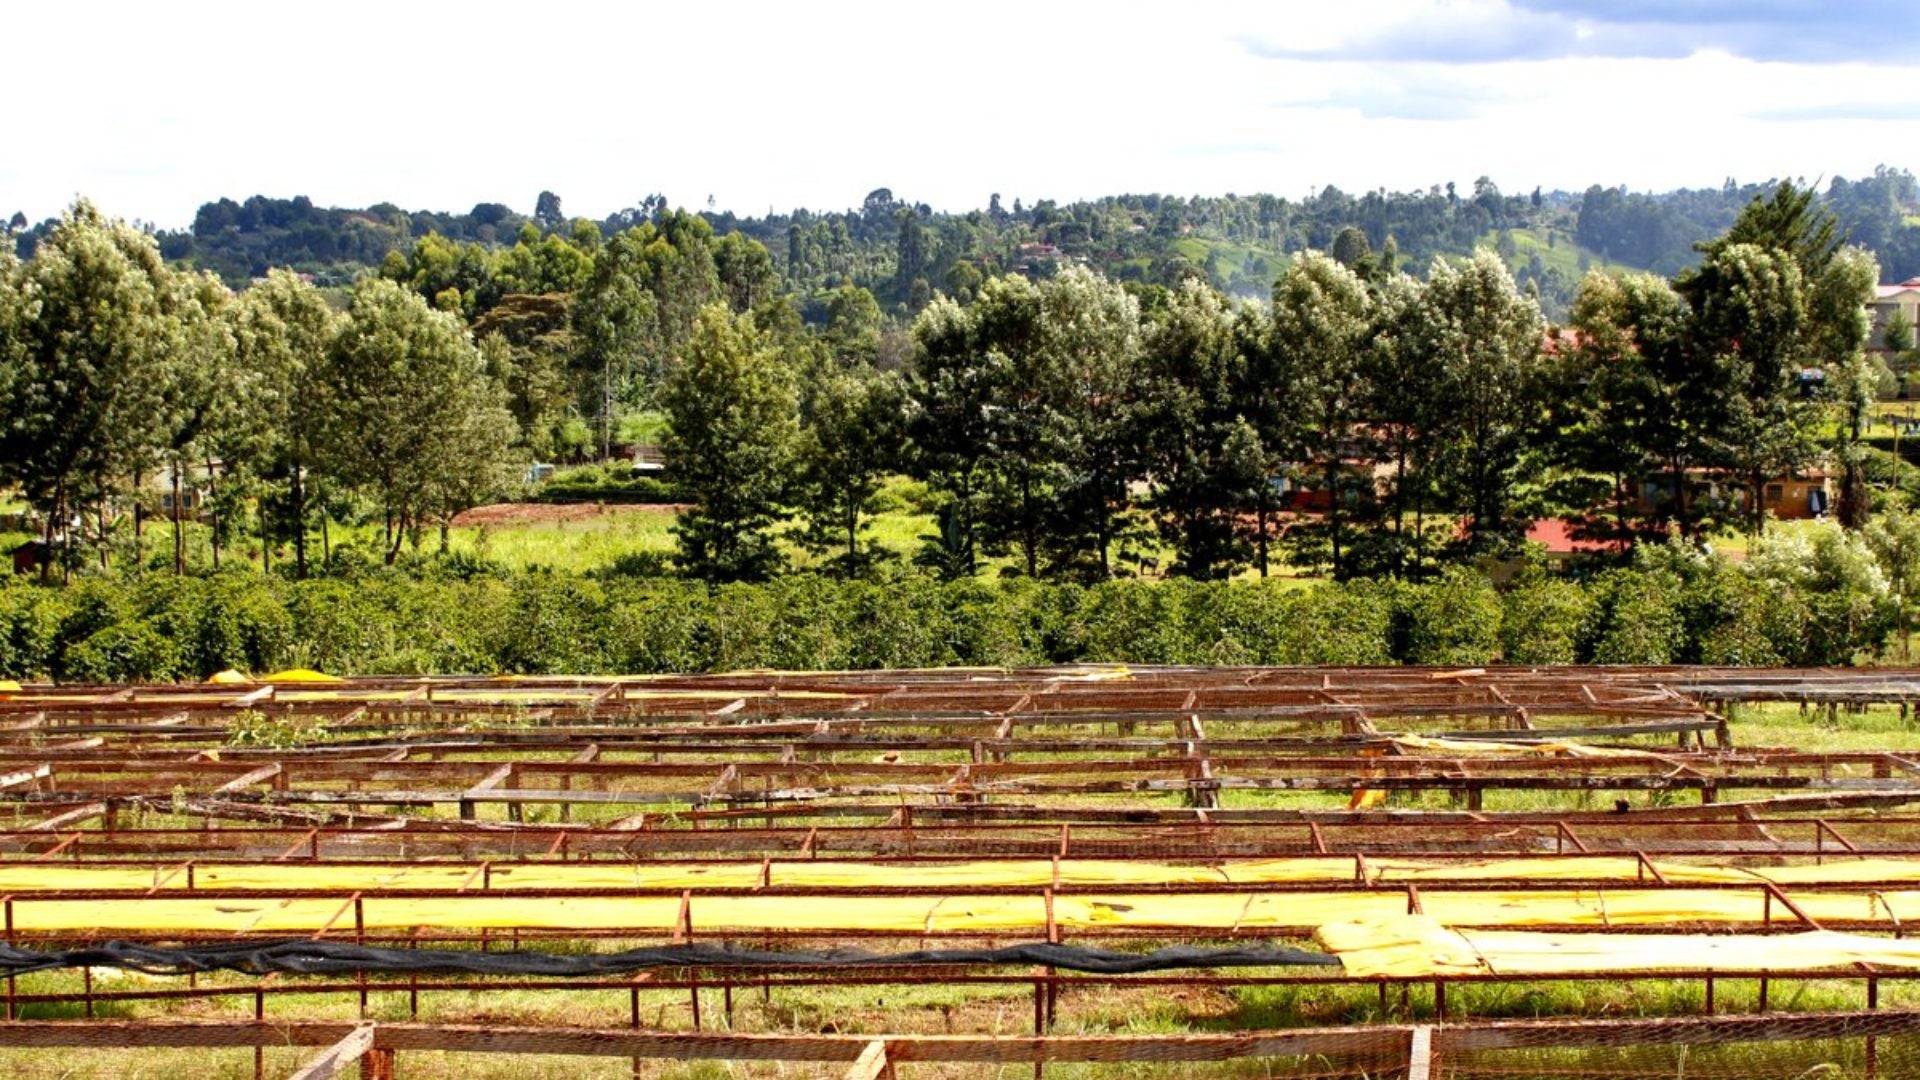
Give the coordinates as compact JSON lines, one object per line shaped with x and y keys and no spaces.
{"x":153,"y":109}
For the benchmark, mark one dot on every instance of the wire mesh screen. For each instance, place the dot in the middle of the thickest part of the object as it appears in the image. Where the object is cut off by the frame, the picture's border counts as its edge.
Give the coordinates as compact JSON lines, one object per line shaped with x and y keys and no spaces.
{"x":1839,"y":1052}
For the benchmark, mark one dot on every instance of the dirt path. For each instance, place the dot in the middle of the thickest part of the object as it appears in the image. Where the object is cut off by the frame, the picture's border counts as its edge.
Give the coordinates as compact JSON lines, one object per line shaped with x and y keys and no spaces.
{"x":546,"y":513}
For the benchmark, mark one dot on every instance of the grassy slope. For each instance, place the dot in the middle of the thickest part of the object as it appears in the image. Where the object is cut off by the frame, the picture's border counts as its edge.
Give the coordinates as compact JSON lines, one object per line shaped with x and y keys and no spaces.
{"x":1563,"y":255}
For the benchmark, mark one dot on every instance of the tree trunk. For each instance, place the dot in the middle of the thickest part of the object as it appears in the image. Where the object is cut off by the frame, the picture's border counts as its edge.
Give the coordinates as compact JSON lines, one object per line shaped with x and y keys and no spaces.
{"x":53,"y":515}
{"x":1856,"y":499}
{"x":1260,"y":518}
{"x":1333,"y":510}
{"x":139,"y":520}
{"x":399,"y":535}
{"x":1679,"y":474}
{"x":212,"y":492}
{"x":853,"y":534}
{"x":298,"y":494}
{"x":179,"y":536}
{"x":101,"y":511}
{"x":1027,"y":540}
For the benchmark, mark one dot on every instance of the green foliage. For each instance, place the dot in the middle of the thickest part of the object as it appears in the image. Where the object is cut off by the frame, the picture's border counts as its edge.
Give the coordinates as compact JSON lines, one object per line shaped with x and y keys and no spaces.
{"x":1453,"y":620}
{"x":283,"y":731}
{"x":1541,"y":620}
{"x":1636,"y":618}
{"x":731,"y":430}
{"x":1677,"y":606}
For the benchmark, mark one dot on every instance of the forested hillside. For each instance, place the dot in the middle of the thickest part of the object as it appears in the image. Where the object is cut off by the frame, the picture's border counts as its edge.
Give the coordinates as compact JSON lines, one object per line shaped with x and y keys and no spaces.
{"x":904,"y":252}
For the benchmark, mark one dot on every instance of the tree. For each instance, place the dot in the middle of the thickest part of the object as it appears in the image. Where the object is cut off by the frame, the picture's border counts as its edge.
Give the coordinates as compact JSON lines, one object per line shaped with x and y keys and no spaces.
{"x":410,"y":415}
{"x":639,"y":307}
{"x":951,"y":393}
{"x":1749,"y":315}
{"x":92,"y":344}
{"x":206,"y":400}
{"x":852,"y":428}
{"x":1838,"y":329}
{"x":1894,"y":538}
{"x":1351,"y":249}
{"x":854,"y":324}
{"x":527,"y":340}
{"x":1321,"y":317}
{"x":745,"y":270}
{"x":1485,"y":340}
{"x":285,"y":332}
{"x":546,"y":211}
{"x":1023,"y":427}
{"x":1632,"y":395}
{"x":1091,"y":326}
{"x":1202,"y":454}
{"x":1896,"y":334}
{"x":731,"y":428}
{"x":1778,"y":301}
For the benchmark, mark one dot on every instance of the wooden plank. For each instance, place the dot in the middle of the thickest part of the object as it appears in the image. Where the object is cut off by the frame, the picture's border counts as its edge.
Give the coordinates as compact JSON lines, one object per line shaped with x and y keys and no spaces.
{"x":1420,"y":1053}
{"x":252,"y":698}
{"x":328,"y":1063}
{"x":68,"y":819}
{"x":246,"y":780}
{"x":872,"y":1064}
{"x":24,"y":776}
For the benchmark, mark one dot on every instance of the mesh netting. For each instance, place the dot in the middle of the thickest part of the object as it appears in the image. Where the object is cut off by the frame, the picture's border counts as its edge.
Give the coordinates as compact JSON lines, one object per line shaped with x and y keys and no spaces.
{"x":1835,"y":1054}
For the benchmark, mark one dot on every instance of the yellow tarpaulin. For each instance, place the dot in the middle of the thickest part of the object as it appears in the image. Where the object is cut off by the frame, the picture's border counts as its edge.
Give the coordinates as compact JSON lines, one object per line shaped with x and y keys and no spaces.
{"x":1203,"y":913}
{"x":1415,"y":946}
{"x":1618,"y":904}
{"x":302,"y":675}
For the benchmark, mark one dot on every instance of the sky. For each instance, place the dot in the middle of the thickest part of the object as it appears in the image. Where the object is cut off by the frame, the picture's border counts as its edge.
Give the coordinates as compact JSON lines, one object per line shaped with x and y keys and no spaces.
{"x":152,"y":108}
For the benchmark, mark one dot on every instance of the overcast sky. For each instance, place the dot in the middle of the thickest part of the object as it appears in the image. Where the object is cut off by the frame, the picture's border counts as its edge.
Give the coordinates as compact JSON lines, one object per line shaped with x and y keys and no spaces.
{"x":153,"y":108}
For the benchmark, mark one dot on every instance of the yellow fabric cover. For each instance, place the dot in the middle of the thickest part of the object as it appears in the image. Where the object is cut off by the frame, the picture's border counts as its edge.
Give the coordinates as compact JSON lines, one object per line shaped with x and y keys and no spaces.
{"x":302,"y":675}
{"x":1634,"y":901}
{"x":1416,"y":946}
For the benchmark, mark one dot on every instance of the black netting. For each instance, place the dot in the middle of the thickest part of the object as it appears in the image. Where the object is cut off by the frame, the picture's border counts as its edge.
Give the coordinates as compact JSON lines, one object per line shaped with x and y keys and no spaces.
{"x":334,"y":958}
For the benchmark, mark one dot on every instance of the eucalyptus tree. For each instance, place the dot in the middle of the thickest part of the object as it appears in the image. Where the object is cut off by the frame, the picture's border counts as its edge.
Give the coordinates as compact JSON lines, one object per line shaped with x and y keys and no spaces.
{"x":409,"y":413}
{"x":1322,"y":323}
{"x":1485,"y":339}
{"x":1202,"y":455}
{"x":1409,"y":414}
{"x":951,"y":398}
{"x":1778,"y":303}
{"x":285,"y":331}
{"x":1632,"y":395}
{"x":93,"y":341}
{"x":1089,"y":332}
{"x":1750,"y":321}
{"x":205,"y":399}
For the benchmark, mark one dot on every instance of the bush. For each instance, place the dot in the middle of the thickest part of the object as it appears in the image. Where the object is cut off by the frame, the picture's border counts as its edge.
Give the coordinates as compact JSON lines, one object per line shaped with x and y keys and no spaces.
{"x":30,"y":621}
{"x":1820,"y":602}
{"x":1636,"y":618}
{"x":1346,"y":623}
{"x":1541,"y":619}
{"x":1453,"y":620}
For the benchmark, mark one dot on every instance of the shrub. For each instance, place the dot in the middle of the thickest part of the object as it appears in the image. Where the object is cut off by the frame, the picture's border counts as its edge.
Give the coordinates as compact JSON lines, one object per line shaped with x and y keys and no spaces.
{"x":1541,"y":618}
{"x":1636,"y":618}
{"x":1453,"y":620}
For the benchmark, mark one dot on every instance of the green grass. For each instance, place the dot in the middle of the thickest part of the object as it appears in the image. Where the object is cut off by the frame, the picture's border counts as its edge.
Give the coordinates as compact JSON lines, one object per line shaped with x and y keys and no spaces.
{"x":1563,"y":255}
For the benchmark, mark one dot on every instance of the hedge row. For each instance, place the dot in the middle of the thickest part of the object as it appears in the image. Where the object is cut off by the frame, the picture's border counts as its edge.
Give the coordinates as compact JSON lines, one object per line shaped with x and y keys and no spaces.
{"x":164,"y":629}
